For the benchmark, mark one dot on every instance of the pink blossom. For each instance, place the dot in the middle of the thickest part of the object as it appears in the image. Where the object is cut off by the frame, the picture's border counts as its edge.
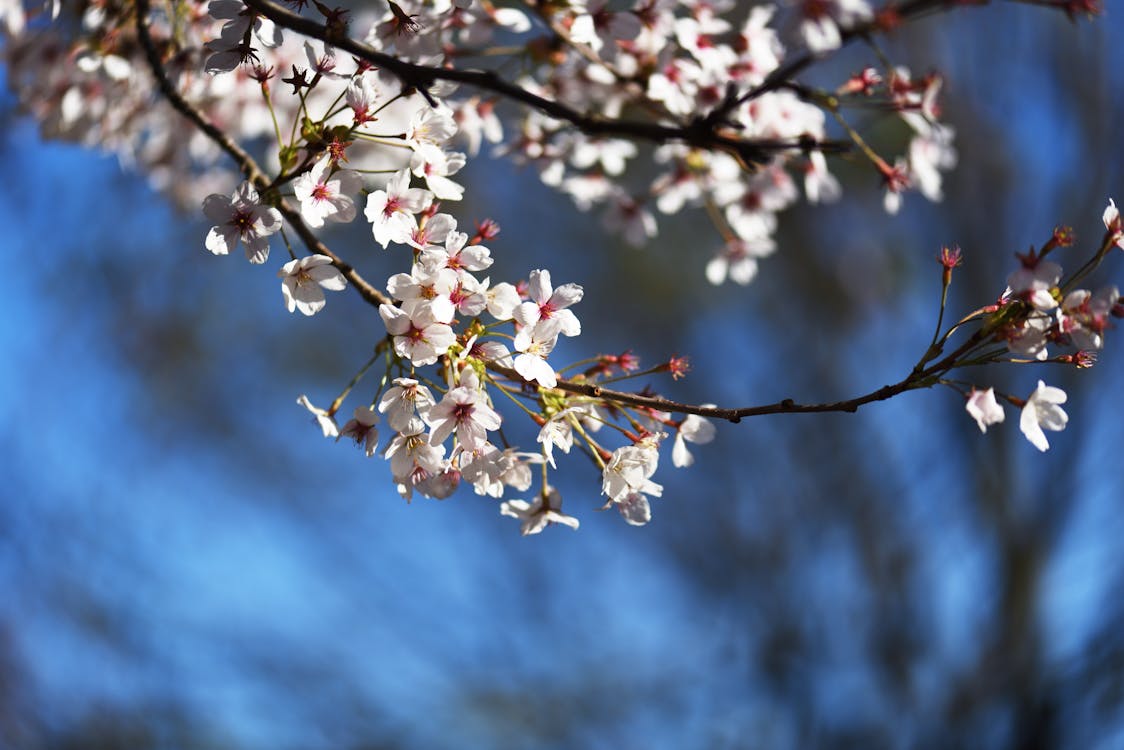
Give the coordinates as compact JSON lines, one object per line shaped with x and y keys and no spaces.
{"x":241,"y":217}
{"x":464,"y":410}
{"x":323,"y":196}
{"x":418,"y":335}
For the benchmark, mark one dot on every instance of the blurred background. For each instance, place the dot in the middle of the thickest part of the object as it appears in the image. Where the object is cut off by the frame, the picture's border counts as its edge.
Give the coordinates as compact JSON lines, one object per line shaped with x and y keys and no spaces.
{"x":186,"y":563}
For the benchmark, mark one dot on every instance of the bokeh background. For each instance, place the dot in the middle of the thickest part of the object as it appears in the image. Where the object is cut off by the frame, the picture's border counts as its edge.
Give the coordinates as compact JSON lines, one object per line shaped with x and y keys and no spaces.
{"x":186,"y":563}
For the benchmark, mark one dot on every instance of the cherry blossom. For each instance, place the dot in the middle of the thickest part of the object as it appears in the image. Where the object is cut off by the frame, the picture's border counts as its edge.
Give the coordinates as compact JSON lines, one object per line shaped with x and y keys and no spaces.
{"x":418,"y":335}
{"x":630,"y":469}
{"x":431,"y":288}
{"x":324,"y":419}
{"x":325,"y":196}
{"x":694,"y":429}
{"x":304,"y":279}
{"x":363,"y":429}
{"x":534,"y":344}
{"x":457,"y":255}
{"x":436,"y":166}
{"x":391,"y":211}
{"x":433,"y":231}
{"x":548,"y":303}
{"x":477,"y":122}
{"x":573,"y":111}
{"x":1030,"y":335}
{"x":430,"y":127}
{"x":1043,"y":411}
{"x":537,"y":515}
{"x":1084,"y":316}
{"x":231,"y":48}
{"x":819,"y":184}
{"x":464,"y":410}
{"x":557,"y":431}
{"x":983,"y":408}
{"x":241,"y":217}
{"x":413,"y":460}
{"x":635,"y":509}
{"x":1034,"y":282}
{"x":1113,"y":224}
{"x":363,"y":96}
{"x":405,"y":405}
{"x":491,"y":471}
{"x":737,"y":260}
{"x":822,"y":19}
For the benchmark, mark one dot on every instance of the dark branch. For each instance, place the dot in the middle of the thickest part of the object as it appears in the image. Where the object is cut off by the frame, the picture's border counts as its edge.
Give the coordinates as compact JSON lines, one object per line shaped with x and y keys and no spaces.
{"x":420,"y":77}
{"x":700,"y":133}
{"x":919,"y":378}
{"x":245,"y":162}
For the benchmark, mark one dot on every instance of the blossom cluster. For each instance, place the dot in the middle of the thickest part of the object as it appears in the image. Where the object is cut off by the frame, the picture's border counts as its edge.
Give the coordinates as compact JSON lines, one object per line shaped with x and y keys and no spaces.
{"x":671,"y":59}
{"x":442,"y":314}
{"x":1039,"y":310}
{"x":381,"y":133}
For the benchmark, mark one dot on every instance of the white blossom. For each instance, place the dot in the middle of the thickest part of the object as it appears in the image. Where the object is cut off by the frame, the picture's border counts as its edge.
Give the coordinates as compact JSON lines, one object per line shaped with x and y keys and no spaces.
{"x":326,"y":197}
{"x":241,"y":217}
{"x":326,"y":420}
{"x":405,"y":404}
{"x":547,"y":302}
{"x":464,"y":410}
{"x":304,"y":279}
{"x":695,"y":429}
{"x":391,"y":211}
{"x":537,"y":515}
{"x":1043,"y":411}
{"x":983,"y":408}
{"x":629,"y":470}
{"x":418,"y":335}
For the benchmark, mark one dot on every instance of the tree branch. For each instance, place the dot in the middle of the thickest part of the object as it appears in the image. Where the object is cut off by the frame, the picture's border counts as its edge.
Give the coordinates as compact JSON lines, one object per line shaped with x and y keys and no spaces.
{"x":421,"y":76}
{"x":245,"y":162}
{"x":700,"y":132}
{"x":918,"y":378}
